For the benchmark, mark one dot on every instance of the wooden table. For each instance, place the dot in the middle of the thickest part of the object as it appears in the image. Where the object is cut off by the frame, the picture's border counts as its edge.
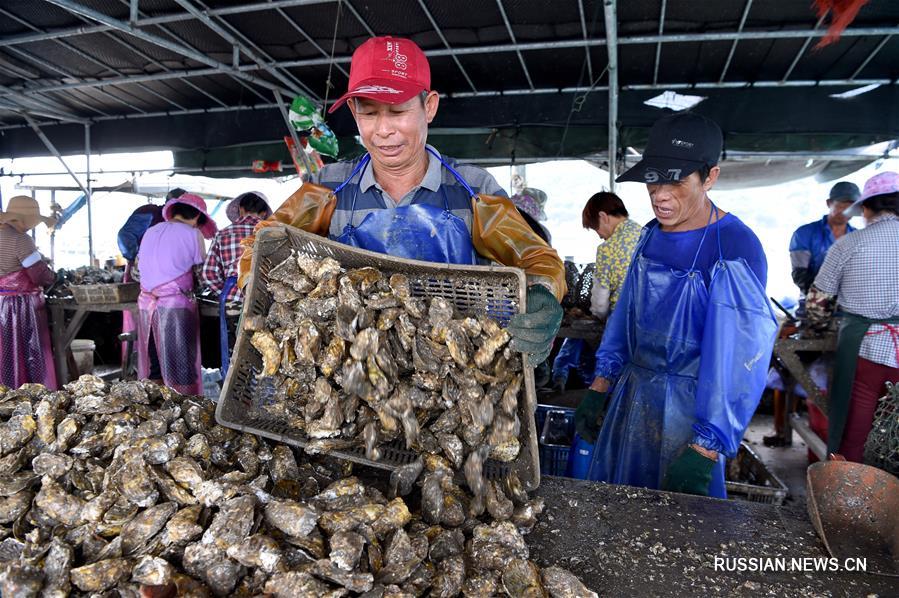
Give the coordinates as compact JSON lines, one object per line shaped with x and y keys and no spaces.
{"x":586,"y":329}
{"x":63,"y":332}
{"x":791,"y":369}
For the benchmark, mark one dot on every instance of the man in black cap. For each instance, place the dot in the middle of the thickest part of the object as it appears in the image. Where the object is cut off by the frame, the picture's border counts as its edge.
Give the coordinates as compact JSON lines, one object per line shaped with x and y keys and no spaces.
{"x":810,"y":242}
{"x":685,"y":354}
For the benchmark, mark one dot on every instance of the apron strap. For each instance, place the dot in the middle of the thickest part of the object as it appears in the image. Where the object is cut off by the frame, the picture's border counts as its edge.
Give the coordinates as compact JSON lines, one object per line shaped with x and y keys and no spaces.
{"x":705,"y":231}
{"x":455,"y":173}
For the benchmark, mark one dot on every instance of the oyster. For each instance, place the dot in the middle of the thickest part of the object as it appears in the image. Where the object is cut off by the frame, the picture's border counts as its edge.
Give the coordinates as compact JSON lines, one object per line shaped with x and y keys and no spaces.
{"x":297,"y":583}
{"x":292,"y":518}
{"x":182,"y":528}
{"x":152,"y":571}
{"x":257,"y":551}
{"x":346,"y":549}
{"x":450,"y":577}
{"x":232,"y":523}
{"x":402,"y":478}
{"x":522,"y":578}
{"x":145,"y":525}
{"x":267,"y":346}
{"x":561,"y":583}
{"x":101,"y":575}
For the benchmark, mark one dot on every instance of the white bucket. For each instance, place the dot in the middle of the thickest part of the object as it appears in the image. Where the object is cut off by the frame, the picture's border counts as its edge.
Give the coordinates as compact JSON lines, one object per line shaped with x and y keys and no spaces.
{"x":83,"y":352}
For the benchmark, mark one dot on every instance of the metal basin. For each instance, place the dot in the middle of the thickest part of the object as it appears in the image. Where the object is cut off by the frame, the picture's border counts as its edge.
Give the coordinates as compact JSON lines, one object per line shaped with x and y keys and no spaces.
{"x":855,"y":509}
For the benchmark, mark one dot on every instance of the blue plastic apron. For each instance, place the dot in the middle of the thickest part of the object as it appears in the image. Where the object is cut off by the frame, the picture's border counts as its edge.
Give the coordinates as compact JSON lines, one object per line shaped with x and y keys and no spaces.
{"x":417,"y":231}
{"x":697,"y":367}
{"x":224,"y":351}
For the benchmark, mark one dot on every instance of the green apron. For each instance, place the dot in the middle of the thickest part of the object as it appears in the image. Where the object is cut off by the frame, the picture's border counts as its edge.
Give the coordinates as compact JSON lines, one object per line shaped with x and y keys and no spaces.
{"x":852,"y":331}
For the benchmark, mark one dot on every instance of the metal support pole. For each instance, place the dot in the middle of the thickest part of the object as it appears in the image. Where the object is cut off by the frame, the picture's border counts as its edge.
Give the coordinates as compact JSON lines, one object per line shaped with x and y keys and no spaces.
{"x":177,"y":48}
{"x":90,"y":222}
{"x":293,"y":135}
{"x":52,"y":149}
{"x":611,"y":15}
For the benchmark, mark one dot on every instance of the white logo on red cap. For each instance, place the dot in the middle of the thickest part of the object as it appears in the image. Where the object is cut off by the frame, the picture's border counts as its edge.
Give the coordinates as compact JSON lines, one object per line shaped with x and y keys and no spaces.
{"x":375,"y":89}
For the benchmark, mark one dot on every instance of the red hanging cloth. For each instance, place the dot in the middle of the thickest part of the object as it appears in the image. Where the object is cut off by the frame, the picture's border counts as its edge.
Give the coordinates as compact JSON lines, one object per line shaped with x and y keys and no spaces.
{"x":843,"y":12}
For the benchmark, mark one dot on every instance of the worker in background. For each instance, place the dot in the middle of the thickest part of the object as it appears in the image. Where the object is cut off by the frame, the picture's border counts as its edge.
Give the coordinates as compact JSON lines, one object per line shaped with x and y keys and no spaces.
{"x":405,"y":199}
{"x":530,"y":204}
{"x":219,"y":272}
{"x":133,"y":230}
{"x":26,"y":354}
{"x":860,"y":277}
{"x":129,"y":239}
{"x":169,"y":321}
{"x":688,"y":345}
{"x":605,"y":215}
{"x":810,"y":242}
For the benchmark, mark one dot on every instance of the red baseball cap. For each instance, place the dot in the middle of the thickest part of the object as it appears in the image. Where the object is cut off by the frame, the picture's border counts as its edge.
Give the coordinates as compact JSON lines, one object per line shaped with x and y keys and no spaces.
{"x":387,"y":69}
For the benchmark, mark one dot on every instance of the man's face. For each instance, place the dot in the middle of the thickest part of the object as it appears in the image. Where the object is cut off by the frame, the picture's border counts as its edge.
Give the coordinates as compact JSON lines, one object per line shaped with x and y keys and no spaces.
{"x":605,"y":227}
{"x":836,"y":215}
{"x":394,"y":135}
{"x":678,"y":206}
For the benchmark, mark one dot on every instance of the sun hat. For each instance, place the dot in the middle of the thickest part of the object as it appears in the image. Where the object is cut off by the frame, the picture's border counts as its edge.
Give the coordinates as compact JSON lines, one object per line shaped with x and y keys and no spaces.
{"x":22,"y":208}
{"x":879,"y":184}
{"x":233,"y":209}
{"x":209,"y":228}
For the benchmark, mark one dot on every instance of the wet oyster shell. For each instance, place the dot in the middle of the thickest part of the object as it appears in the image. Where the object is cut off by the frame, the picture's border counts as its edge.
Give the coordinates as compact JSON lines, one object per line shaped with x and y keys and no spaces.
{"x":101,"y":575}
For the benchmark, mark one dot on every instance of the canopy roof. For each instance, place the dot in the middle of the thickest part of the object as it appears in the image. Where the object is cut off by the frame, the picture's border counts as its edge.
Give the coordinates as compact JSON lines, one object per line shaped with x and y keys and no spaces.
{"x":521,"y":79}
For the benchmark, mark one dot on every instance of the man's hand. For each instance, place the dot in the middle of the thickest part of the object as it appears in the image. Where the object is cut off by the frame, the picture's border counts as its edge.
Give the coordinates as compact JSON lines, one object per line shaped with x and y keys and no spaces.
{"x":691,"y":472}
{"x":589,"y":415}
{"x":533,"y":332}
{"x":600,"y":384}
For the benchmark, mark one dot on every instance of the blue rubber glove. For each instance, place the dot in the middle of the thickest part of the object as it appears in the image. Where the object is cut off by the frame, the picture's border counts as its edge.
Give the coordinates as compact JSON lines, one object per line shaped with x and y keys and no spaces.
{"x":589,"y":414}
{"x":690,"y":473}
{"x":533,"y":332}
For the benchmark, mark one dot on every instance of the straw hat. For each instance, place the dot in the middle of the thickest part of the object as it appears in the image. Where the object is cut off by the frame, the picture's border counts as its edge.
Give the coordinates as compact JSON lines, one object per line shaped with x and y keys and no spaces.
{"x":24,"y":209}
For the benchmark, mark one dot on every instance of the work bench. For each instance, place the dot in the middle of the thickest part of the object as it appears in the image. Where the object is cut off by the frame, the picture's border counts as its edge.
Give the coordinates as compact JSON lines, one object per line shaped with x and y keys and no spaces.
{"x":624,"y":541}
{"x":66,"y":317}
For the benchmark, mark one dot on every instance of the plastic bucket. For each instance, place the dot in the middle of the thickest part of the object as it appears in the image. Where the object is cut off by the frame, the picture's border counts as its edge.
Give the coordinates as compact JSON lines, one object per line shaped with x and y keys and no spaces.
{"x":579,"y":459}
{"x":83,"y":352}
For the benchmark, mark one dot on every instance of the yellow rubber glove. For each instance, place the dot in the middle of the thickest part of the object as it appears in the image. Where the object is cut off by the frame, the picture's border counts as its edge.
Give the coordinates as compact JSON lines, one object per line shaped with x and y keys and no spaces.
{"x":499,"y":233}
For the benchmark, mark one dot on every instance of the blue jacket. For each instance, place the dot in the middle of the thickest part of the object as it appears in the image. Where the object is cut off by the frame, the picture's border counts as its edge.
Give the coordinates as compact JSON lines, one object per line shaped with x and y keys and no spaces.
{"x":808,"y":248}
{"x":132,"y":232}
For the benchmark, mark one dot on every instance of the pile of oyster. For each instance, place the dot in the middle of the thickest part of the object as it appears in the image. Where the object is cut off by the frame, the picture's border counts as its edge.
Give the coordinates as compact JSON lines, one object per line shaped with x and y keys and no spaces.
{"x":132,"y":489}
{"x":352,"y":358}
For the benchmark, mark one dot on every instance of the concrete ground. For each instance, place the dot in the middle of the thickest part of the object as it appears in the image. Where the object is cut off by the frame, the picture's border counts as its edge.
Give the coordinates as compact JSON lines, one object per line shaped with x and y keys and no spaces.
{"x":788,"y":463}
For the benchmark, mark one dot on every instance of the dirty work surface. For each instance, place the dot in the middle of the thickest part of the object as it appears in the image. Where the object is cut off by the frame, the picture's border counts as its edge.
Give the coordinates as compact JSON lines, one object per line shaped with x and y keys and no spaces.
{"x":627,"y":541}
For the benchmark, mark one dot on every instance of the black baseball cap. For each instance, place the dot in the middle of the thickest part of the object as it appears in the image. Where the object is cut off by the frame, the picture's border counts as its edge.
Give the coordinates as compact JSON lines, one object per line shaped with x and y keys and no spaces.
{"x":679,"y":145}
{"x":844,"y":191}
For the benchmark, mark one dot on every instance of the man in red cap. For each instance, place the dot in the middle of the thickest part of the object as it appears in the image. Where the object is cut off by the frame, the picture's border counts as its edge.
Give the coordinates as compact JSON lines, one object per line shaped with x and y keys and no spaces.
{"x":405,"y":199}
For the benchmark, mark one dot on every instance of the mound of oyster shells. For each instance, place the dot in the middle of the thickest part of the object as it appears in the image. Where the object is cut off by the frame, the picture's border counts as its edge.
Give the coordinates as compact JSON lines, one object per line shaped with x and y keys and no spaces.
{"x":132,"y":489}
{"x":352,"y":358}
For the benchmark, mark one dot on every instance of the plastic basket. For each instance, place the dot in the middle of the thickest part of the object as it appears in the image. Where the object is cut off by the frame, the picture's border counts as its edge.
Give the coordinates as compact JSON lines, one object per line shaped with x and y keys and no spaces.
{"x":556,"y":425}
{"x":123,"y":292}
{"x":473,"y":290}
{"x":756,"y":482}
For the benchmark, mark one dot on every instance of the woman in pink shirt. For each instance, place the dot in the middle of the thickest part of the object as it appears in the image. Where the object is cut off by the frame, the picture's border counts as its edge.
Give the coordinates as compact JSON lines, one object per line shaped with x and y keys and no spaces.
{"x":169,"y":322}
